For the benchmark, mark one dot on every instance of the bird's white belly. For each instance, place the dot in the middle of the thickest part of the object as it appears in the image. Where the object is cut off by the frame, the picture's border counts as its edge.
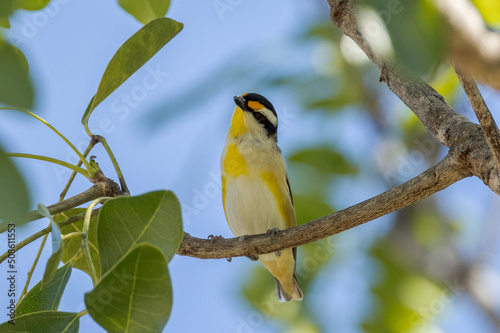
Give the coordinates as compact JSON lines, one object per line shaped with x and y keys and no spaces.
{"x":251,"y":207}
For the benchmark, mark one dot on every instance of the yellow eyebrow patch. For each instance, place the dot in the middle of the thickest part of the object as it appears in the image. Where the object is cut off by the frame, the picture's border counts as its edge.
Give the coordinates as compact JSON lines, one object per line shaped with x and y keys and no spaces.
{"x":243,"y":95}
{"x":272,"y":183}
{"x":234,"y":164}
{"x":254,"y":105}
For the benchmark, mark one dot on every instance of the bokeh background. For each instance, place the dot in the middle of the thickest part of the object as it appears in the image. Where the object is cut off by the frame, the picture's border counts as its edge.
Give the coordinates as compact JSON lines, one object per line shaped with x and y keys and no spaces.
{"x":431,"y":267}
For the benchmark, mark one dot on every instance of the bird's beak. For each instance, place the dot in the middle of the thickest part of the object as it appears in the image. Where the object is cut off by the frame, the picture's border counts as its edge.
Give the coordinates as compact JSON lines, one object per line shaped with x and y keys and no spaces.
{"x":240,"y":101}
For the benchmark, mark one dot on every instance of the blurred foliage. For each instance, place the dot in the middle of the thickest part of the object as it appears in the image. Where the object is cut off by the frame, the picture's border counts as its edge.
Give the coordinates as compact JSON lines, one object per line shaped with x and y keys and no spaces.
{"x":16,"y":88}
{"x":416,"y":31}
{"x":338,"y":81}
{"x":147,"y":10}
{"x":14,"y":196}
{"x":490,"y":10}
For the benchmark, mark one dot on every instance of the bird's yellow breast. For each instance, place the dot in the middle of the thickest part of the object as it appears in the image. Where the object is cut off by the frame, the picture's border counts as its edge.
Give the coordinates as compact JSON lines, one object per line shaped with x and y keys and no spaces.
{"x":237,"y":123}
{"x":234,"y":163}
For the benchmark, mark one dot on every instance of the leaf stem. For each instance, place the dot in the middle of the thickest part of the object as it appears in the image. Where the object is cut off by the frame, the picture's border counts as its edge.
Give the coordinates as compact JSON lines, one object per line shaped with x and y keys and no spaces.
{"x":52,"y":160}
{"x":73,"y":234}
{"x":85,"y":241}
{"x":91,"y":145}
{"x":87,"y":165}
{"x":123,"y":184}
{"x":83,"y":313}
{"x":30,"y":273}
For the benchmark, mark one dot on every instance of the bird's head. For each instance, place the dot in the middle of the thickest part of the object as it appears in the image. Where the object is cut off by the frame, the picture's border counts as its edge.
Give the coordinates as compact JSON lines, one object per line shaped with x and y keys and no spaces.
{"x":254,"y":114}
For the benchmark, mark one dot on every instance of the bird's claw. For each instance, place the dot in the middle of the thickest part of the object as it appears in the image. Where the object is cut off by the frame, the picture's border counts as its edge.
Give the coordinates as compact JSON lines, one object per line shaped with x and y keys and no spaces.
{"x":273,"y":232}
{"x":277,"y":253}
{"x":213,"y":238}
{"x":253,"y":257}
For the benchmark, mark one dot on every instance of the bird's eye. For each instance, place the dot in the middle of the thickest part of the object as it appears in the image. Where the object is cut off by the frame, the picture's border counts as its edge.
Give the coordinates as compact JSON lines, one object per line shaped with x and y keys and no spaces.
{"x":259,"y":116}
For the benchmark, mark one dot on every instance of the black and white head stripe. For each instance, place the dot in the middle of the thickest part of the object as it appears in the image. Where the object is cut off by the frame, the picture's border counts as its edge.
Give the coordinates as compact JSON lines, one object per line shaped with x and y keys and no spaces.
{"x":253,"y":97}
{"x":261,"y":109}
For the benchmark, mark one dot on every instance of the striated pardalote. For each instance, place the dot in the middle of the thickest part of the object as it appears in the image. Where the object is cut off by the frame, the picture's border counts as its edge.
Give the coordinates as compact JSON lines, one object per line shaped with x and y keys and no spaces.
{"x":256,"y":192}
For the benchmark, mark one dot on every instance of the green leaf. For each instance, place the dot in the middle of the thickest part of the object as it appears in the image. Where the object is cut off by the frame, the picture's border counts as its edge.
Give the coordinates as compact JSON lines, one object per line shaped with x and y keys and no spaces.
{"x":44,"y":322}
{"x":4,"y":22}
{"x":145,"y":10}
{"x":136,"y":295}
{"x":134,"y":53}
{"x":51,"y":268}
{"x":32,"y":4}
{"x":48,"y":298}
{"x":15,"y":86}
{"x":56,"y":233}
{"x":6,"y":8}
{"x":14,"y":197}
{"x":309,"y":208}
{"x":324,"y":159}
{"x":153,"y":217}
{"x":73,"y":245}
{"x":416,"y":32}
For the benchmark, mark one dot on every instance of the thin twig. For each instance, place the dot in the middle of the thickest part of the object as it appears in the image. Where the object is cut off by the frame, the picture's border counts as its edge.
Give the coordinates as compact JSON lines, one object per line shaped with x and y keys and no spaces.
{"x":118,"y":171}
{"x":442,"y":175}
{"x":30,"y":273}
{"x":35,"y":236}
{"x":471,"y":43}
{"x":91,"y":145}
{"x":483,"y":114}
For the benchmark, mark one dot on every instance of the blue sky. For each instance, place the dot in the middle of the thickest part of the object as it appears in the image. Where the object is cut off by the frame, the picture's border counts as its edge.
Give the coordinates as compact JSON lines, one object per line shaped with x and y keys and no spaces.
{"x":68,"y":50}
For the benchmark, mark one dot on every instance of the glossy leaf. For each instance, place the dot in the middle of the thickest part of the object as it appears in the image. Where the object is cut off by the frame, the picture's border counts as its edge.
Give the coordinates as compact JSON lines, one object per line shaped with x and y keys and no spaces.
{"x":32,"y":4}
{"x":15,"y":85}
{"x":48,"y":298}
{"x":14,"y":197}
{"x":324,"y":159}
{"x":51,"y":268}
{"x":44,"y":322}
{"x":153,"y":217}
{"x":145,"y":10}
{"x":134,"y":53}
{"x":73,"y":245}
{"x":56,"y":233}
{"x":134,"y":296}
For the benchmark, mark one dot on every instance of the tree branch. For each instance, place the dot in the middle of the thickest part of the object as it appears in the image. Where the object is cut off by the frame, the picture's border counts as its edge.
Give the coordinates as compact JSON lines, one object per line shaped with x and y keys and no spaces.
{"x":442,"y":175}
{"x":36,"y":235}
{"x":447,"y":126}
{"x":104,"y":187}
{"x":469,"y":155}
{"x":472,"y":45}
{"x":488,"y":125}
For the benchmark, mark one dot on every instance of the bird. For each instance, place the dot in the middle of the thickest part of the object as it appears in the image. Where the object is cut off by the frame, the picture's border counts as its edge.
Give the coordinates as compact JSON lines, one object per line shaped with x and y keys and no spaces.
{"x":256,"y":193}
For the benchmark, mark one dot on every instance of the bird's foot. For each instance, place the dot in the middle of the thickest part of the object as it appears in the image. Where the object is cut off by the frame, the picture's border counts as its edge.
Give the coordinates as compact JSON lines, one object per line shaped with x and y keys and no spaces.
{"x":277,"y":253}
{"x":273,"y":232}
{"x":253,"y":257}
{"x":213,"y":238}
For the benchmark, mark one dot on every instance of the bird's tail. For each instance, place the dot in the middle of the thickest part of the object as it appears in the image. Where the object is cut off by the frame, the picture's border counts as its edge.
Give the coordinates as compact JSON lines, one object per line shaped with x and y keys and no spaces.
{"x":288,"y":295}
